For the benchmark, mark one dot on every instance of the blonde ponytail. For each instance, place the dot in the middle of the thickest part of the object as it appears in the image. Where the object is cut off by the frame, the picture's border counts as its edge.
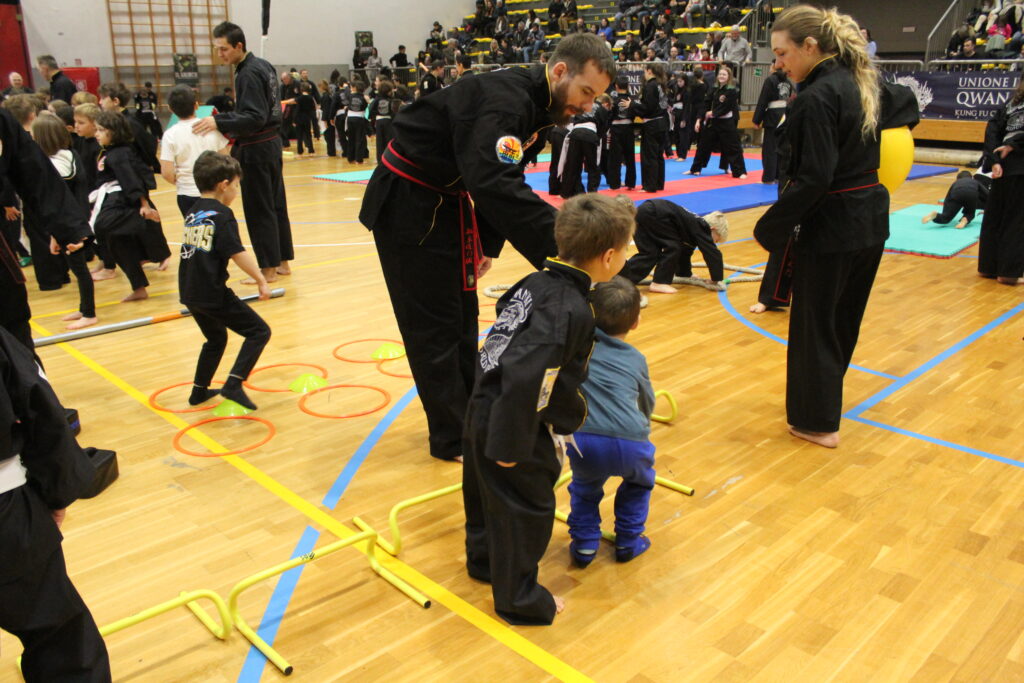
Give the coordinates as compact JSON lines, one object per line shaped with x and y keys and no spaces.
{"x":838,"y":34}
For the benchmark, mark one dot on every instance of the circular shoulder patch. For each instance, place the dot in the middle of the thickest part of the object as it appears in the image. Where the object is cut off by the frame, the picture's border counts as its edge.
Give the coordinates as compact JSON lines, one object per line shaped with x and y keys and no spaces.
{"x":509,"y":149}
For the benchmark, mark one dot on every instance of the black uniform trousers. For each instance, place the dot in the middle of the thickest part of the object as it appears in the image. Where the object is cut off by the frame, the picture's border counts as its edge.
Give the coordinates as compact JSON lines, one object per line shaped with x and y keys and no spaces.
{"x":303,"y":133}
{"x":422,"y":268}
{"x":659,"y":247}
{"x":771,"y":292}
{"x":264,"y":202}
{"x":385,"y":134}
{"x":329,"y":139}
{"x":556,"y":137}
{"x":682,"y":136}
{"x":122,"y":229}
{"x":154,"y":243}
{"x":769,"y":156}
{"x":76,"y":261}
{"x":152,"y":123}
{"x":357,"y":129}
{"x":581,"y":155}
{"x":830,"y":293}
{"x":51,"y":270}
{"x":723,"y":134}
{"x":1001,"y":250}
{"x":957,"y":201}
{"x":622,"y":151}
{"x":652,"y":160}
{"x":41,"y":606}
{"x":214,"y":322}
{"x":11,"y":231}
{"x":185,"y":204}
{"x":510,"y":512}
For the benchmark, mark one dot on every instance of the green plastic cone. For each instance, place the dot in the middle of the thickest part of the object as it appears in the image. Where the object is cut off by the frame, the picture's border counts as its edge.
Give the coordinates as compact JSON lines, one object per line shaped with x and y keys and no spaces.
{"x":228,"y":408}
{"x":388,"y":350}
{"x":307,"y":382}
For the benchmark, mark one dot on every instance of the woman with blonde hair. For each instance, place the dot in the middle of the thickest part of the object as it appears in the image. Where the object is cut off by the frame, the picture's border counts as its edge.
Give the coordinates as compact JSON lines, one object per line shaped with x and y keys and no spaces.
{"x":833,"y":214}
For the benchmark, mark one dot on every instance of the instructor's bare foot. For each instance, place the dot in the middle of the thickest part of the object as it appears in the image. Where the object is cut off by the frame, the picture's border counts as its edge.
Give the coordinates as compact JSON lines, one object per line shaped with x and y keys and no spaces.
{"x":559,"y":604}
{"x":72,"y":316}
{"x":138,"y":295}
{"x":80,"y":323}
{"x":163,"y":264}
{"x":826,"y":439}
{"x":284,"y":269}
{"x":929,"y":218}
{"x":1010,"y":280}
{"x":758,"y":308}
{"x":103,"y":274}
{"x":662,"y":289}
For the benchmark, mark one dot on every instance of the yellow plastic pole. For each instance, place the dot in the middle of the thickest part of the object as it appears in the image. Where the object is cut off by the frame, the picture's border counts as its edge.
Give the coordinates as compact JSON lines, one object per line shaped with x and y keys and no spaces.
{"x":186,"y":598}
{"x":564,"y":518}
{"x":671,"y":404}
{"x":395,"y":546}
{"x":675,"y":486}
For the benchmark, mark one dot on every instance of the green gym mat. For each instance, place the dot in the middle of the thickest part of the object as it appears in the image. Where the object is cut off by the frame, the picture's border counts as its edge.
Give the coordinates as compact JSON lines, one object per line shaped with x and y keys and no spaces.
{"x":907,"y":235}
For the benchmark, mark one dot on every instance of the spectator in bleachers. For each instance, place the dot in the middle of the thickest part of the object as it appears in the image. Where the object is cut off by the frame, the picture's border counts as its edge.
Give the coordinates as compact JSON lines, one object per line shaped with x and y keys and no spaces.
{"x":628,"y":11}
{"x":569,"y":16}
{"x":606,"y":31}
{"x":501,"y":26}
{"x":872,"y":45}
{"x":508,"y":53}
{"x":694,"y":7}
{"x":970,"y":50}
{"x":735,"y":48}
{"x":999,"y":33}
{"x":661,"y":44}
{"x":579,"y":26}
{"x":450,"y":52}
{"x":535,"y":42}
{"x":956,"y":40}
{"x":1013,"y":14}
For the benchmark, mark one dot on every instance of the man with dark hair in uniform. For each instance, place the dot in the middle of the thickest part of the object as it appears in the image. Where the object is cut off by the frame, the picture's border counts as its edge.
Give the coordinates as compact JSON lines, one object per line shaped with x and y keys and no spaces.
{"x":254,"y":126}
{"x":61,"y":87}
{"x":467,"y":142}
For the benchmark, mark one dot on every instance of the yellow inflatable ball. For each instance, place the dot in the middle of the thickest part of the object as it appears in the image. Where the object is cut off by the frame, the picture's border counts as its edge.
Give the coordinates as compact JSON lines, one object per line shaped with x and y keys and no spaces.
{"x":897,"y":156}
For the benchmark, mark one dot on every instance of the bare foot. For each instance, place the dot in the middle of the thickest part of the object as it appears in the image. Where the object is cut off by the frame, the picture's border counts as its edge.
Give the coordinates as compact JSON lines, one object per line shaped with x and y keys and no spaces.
{"x":250,"y":281}
{"x":284,"y":268}
{"x":163,"y":264}
{"x":826,"y":439}
{"x":758,"y":308}
{"x":80,"y":323}
{"x":103,"y":274}
{"x":741,"y":176}
{"x":138,"y":295}
{"x":662,"y":289}
{"x":929,"y":218}
{"x":72,"y":316}
{"x":1010,"y":280}
{"x":458,"y":459}
{"x":559,"y":604}
{"x":962,"y":223}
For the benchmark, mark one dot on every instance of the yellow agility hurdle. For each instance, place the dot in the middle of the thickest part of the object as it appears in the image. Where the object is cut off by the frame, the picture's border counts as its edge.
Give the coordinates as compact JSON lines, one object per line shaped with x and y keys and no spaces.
{"x":671,"y":404}
{"x":368,"y":536}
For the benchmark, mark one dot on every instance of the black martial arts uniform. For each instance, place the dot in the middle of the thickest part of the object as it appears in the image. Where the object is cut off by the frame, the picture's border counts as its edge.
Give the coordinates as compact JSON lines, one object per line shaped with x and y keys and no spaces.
{"x":582,"y":153}
{"x":1001,"y":250}
{"x":429,"y":84}
{"x":464,"y":141}
{"x":26,"y":170}
{"x":62,"y":87}
{"x":153,"y":240}
{"x":679,"y":100}
{"x":38,"y":602}
{"x":652,"y":108}
{"x":222,"y":103}
{"x":771,"y":107}
{"x":357,"y":129}
{"x":209,"y":241}
{"x":842,"y":211}
{"x":719,"y":129}
{"x":965,"y":194}
{"x":556,"y":136}
{"x":666,"y":236}
{"x":777,"y":281}
{"x":622,"y":143}
{"x":305,"y":120}
{"x":287,"y":92}
{"x":146,"y":103}
{"x":254,"y":127}
{"x":328,"y":110}
{"x":118,"y":223}
{"x":530,"y":369}
{"x":382,"y":112}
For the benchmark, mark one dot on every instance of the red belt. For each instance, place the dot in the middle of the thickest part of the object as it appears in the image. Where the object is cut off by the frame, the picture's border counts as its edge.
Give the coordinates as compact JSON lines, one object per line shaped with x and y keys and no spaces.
{"x":872,"y":175}
{"x":469,"y":231}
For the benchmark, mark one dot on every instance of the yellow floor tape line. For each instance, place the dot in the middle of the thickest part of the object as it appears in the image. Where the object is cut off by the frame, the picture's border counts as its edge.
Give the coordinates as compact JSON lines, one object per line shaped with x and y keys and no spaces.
{"x":439,"y":594}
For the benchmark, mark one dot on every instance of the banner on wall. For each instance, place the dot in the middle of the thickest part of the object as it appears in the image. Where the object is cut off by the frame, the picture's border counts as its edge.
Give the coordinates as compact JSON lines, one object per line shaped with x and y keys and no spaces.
{"x":186,"y":70}
{"x":959,"y":95}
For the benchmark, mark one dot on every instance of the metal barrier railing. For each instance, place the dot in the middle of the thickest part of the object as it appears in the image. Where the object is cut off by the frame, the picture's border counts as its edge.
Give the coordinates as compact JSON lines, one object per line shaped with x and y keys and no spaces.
{"x":976,"y":65}
{"x":950,"y":20}
{"x":897,"y":65}
{"x":752,"y":77}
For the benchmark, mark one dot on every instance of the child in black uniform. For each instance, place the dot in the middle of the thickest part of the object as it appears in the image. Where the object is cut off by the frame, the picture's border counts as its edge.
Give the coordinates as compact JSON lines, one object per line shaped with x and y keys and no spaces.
{"x":382,"y":111}
{"x":718,"y":127}
{"x":526,"y":396}
{"x":210,"y":239}
{"x":653,"y":109}
{"x":305,"y":117}
{"x":966,"y":194}
{"x":357,"y":128}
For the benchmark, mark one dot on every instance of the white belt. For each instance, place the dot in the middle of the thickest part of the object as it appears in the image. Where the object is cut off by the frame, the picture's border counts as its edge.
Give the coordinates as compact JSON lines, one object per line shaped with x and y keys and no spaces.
{"x":654,"y":119}
{"x":777,"y":104}
{"x":357,"y":114}
{"x":727,"y":116}
{"x":677,"y":105}
{"x":587,"y":126}
{"x":97,"y":197}
{"x":12,"y":474}
{"x":622,"y":122}
{"x":383,"y":117}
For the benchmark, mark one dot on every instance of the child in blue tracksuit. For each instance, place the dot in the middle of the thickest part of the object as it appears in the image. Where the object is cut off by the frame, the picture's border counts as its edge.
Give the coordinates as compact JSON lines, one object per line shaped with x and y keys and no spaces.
{"x":614,"y":440}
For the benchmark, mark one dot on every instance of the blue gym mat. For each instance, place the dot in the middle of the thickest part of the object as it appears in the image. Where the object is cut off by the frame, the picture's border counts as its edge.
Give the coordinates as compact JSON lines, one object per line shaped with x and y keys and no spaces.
{"x":907,"y":234}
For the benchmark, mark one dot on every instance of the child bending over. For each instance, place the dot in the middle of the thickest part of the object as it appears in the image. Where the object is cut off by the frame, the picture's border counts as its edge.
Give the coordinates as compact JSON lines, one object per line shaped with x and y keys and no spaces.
{"x":966,"y":194}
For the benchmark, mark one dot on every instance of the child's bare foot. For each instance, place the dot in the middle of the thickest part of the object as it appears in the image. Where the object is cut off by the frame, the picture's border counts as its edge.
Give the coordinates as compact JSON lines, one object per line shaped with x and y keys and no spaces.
{"x":283,"y":269}
{"x":929,"y":218}
{"x":662,"y":289}
{"x":758,"y":308}
{"x":103,"y":274}
{"x":559,"y":604}
{"x":80,"y":323}
{"x":826,"y":439}
{"x":1010,"y":280}
{"x":138,"y":295}
{"x":72,"y":316}
{"x":163,"y":264}
{"x":962,"y":223}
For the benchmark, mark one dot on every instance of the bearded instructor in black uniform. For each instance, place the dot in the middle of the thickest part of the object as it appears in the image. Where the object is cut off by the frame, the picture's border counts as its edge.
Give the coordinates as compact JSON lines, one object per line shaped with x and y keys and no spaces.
{"x":447,"y":195}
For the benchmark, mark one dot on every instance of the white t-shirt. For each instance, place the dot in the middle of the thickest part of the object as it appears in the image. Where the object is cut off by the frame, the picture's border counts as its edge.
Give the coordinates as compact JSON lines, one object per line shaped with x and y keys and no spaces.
{"x":182,"y":147}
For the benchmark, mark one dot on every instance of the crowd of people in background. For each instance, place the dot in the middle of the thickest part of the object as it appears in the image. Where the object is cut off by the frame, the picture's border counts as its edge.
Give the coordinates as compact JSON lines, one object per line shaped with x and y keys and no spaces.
{"x":993,"y":30}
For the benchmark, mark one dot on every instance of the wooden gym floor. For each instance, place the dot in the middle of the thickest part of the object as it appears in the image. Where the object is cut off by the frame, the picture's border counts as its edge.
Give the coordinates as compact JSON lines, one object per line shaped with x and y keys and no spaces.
{"x":899,"y":556}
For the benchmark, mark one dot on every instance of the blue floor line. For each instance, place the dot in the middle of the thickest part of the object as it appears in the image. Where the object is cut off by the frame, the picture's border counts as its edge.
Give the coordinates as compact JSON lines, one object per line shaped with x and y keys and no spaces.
{"x":931,"y":363}
{"x":939,"y":442}
{"x":255,"y":662}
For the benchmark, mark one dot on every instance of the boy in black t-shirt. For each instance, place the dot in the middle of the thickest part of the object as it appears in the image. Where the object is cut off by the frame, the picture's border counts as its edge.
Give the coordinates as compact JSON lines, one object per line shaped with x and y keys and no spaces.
{"x":210,"y":239}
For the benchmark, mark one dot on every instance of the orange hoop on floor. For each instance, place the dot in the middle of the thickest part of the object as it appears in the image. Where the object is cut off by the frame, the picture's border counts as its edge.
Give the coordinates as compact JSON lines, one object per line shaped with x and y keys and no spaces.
{"x":485,"y":305}
{"x":303,"y":408}
{"x":156,"y":406}
{"x":360,"y":341}
{"x":176,"y":442}
{"x":323,"y":373}
{"x":380,"y":367}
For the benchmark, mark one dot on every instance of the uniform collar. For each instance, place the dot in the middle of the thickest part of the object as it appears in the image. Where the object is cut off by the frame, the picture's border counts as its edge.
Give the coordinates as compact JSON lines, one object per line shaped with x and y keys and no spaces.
{"x":825,"y":65}
{"x":245,"y":60}
{"x":577,"y":276}
{"x":540,"y":92}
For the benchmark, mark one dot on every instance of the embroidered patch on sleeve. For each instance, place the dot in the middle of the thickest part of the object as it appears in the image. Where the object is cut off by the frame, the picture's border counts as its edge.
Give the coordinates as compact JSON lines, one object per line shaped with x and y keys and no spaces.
{"x":550,"y":375}
{"x":509,"y":149}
